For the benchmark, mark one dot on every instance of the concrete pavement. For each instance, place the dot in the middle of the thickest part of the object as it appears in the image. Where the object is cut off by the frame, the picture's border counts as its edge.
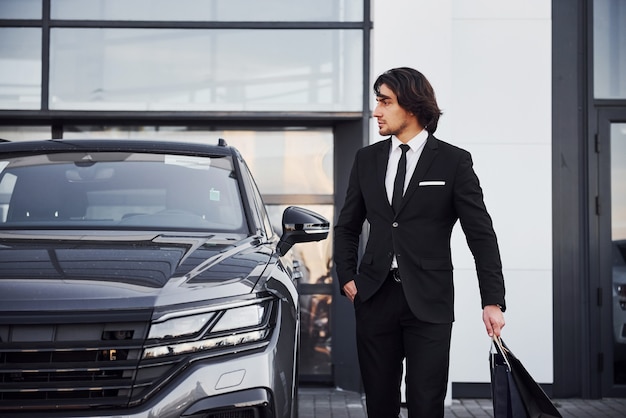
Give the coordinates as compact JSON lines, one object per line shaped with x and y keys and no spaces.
{"x":326,"y":402}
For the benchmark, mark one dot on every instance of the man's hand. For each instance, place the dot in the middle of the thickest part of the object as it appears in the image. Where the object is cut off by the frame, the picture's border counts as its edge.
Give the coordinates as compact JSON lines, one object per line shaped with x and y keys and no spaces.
{"x":350,"y":290}
{"x":493,"y":319}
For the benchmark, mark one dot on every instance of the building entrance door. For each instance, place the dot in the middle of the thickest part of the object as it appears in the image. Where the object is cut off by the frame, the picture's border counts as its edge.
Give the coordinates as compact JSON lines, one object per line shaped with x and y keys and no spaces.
{"x":612,"y":242}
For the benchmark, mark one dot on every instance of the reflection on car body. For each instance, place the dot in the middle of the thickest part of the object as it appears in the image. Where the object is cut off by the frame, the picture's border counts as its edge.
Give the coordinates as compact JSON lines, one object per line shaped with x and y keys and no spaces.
{"x":619,"y":310}
{"x":142,"y":279}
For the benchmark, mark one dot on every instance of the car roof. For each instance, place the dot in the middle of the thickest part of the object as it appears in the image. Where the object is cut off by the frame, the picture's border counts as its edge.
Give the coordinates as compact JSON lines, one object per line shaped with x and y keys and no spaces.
{"x":113,"y":145}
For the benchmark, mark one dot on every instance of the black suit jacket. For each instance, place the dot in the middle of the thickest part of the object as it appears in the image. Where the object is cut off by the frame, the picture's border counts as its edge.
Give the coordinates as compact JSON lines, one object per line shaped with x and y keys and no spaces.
{"x":442,"y":190}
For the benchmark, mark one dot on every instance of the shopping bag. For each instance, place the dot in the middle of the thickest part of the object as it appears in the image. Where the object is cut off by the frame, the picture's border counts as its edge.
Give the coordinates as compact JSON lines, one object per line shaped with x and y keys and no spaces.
{"x":507,"y":402}
{"x":515,"y":393}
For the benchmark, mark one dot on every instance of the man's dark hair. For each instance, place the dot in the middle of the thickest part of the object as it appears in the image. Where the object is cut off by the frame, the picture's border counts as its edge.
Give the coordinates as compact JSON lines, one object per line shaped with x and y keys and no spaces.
{"x":414,"y":93}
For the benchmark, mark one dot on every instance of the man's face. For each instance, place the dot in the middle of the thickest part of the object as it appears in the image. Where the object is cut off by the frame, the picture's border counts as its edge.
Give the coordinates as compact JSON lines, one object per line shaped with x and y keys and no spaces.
{"x":392,"y":118}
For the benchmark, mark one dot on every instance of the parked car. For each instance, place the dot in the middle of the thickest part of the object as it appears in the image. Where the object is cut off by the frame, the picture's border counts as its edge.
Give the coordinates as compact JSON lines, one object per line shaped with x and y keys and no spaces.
{"x":143,"y":279}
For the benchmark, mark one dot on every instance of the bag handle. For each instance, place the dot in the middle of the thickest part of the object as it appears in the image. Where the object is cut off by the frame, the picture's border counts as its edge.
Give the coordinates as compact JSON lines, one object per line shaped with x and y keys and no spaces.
{"x":501,"y":349}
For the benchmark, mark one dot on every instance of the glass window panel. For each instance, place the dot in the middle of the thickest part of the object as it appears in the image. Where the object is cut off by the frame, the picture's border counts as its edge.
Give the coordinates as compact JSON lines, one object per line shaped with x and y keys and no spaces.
{"x":288,"y":162}
{"x":21,"y":133}
{"x":618,"y":226}
{"x":292,"y":161}
{"x":215,"y":10}
{"x":609,"y":49}
{"x":20,"y":9}
{"x":20,"y":68}
{"x":233,"y":70}
{"x":618,"y":180}
{"x":315,"y":335}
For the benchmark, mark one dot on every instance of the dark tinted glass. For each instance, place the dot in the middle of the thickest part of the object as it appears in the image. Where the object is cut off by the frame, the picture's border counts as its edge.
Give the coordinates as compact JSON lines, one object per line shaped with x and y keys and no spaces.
{"x":119,"y":191}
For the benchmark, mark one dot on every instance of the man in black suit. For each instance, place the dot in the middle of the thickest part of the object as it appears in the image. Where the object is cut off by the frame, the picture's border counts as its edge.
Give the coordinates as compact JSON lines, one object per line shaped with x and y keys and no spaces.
{"x":411,"y":188}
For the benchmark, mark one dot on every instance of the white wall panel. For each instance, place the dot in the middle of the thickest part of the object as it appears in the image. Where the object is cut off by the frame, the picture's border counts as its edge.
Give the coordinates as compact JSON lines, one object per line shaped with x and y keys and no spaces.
{"x":516,"y":182}
{"x":417,"y":34}
{"x":498,"y":9}
{"x":501,"y":81}
{"x":528,"y":329}
{"x":490,"y":64}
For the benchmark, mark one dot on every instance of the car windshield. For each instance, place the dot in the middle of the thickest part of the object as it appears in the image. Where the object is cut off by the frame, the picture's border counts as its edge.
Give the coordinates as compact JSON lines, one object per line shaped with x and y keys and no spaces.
{"x":120,"y":190}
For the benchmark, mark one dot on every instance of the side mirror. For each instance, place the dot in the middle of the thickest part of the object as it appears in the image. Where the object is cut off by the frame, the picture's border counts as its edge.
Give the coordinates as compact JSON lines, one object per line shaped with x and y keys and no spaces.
{"x":301,"y":225}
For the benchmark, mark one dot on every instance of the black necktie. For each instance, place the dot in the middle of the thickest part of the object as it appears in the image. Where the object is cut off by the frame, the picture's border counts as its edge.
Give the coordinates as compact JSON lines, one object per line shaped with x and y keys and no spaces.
{"x":398,"y":184}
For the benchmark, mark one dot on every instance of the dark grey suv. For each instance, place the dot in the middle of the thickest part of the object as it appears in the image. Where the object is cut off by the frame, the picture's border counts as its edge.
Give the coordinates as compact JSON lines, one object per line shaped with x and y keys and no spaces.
{"x":143,"y":279}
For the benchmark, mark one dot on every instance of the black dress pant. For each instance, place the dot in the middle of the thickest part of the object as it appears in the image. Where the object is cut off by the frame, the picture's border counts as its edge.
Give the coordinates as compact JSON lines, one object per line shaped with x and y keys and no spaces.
{"x":387,"y":332}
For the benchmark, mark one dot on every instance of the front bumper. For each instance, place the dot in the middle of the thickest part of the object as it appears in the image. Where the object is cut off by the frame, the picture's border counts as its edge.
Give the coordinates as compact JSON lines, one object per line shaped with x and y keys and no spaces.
{"x":206,"y":389}
{"x":248,"y":403}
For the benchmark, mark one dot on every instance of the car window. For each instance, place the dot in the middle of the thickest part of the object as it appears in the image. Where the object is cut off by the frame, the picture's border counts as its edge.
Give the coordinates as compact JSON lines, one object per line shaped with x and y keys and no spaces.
{"x":259,"y":206}
{"x":120,"y":190}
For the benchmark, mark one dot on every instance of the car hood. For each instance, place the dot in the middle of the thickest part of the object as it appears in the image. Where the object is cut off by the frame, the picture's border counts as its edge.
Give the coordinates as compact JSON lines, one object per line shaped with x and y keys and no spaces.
{"x":53,"y":272}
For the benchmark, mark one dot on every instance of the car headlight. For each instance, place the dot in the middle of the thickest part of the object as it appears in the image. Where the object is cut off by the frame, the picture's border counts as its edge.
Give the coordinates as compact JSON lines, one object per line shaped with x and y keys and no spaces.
{"x":243,"y":317}
{"x":180,"y":327}
{"x":224,"y":326}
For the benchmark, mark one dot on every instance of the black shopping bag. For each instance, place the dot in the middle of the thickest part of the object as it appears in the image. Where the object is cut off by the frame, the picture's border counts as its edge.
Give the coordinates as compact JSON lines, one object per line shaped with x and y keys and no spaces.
{"x":515,"y":393}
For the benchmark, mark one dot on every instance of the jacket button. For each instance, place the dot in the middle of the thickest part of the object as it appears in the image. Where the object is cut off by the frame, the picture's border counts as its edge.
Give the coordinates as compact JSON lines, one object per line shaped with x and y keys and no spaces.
{"x":395,"y":224}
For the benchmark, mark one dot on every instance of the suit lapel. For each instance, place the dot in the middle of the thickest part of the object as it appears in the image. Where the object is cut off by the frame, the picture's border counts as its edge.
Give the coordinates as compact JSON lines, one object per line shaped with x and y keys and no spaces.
{"x":423,"y":164}
{"x":382,"y":159}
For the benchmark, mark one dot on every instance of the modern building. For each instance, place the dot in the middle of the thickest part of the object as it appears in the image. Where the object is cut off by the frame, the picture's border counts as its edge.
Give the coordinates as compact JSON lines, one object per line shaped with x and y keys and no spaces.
{"x":535,"y":89}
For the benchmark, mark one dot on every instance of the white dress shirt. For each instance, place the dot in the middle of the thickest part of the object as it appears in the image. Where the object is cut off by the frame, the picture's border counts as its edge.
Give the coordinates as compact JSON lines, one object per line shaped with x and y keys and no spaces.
{"x":412,"y":155}
{"x":417,"y":144}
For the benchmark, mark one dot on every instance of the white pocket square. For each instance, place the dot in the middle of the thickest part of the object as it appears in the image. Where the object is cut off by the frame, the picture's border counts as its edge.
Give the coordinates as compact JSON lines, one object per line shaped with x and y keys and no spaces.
{"x":432,"y":183}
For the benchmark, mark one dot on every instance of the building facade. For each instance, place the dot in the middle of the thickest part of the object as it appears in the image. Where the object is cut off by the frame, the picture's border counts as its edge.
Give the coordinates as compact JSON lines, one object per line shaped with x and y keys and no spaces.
{"x":535,"y":90}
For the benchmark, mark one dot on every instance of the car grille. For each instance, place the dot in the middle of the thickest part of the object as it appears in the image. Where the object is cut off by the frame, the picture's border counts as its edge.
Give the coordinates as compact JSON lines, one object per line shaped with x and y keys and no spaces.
{"x":247,"y":413}
{"x":76,"y":361}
